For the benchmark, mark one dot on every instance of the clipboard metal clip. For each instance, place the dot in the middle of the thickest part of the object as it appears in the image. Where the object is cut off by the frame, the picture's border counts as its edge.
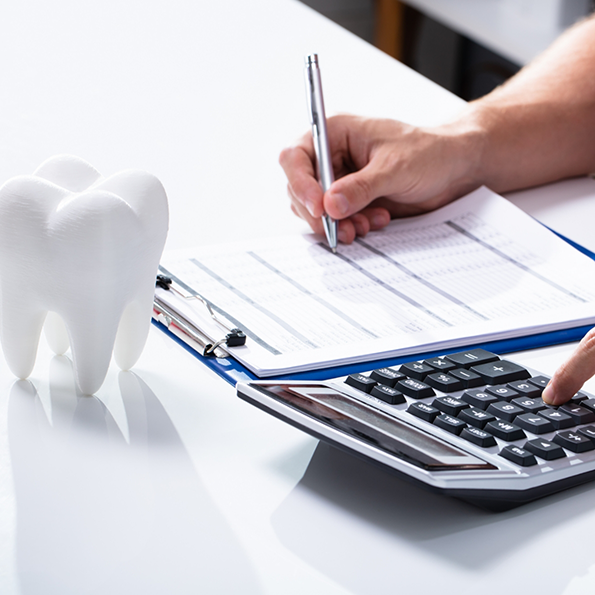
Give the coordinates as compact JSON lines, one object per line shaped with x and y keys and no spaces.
{"x":235,"y":336}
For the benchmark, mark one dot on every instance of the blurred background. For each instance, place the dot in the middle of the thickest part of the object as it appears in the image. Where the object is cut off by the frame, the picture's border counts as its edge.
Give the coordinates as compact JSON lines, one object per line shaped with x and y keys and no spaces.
{"x":467,"y":46}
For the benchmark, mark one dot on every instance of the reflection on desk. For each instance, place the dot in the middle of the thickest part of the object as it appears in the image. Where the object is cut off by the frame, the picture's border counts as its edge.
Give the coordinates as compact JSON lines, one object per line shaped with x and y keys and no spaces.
{"x":373,"y":532}
{"x":100,"y":500}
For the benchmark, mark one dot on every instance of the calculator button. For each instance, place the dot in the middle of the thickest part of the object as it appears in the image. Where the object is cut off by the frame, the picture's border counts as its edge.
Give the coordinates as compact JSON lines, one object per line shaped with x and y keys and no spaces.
{"x":416,"y":370}
{"x":449,"y":423}
{"x":505,"y":430}
{"x":426,"y":412}
{"x":579,"y":398}
{"x":361,"y":382}
{"x":475,"y":417}
{"x":479,"y":398}
{"x":589,"y":403}
{"x":387,"y":394}
{"x":529,"y":405}
{"x":545,"y":449}
{"x":415,"y":388}
{"x":500,"y":372}
{"x":478,"y":436}
{"x":450,"y":405}
{"x":503,"y":392}
{"x":539,"y":381}
{"x":559,"y":419}
{"x":439,"y":363}
{"x":504,"y":410}
{"x":386,"y":376}
{"x":588,"y":431}
{"x":518,"y":455}
{"x":534,"y":423}
{"x":444,"y":382}
{"x":580,"y":415}
{"x":467,"y":377}
{"x":573,"y":441}
{"x":473,"y":357}
{"x":526,"y":389}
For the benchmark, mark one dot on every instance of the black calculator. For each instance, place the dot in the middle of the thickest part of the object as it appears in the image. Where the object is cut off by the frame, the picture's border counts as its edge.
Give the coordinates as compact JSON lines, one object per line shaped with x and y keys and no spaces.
{"x":470,"y":425}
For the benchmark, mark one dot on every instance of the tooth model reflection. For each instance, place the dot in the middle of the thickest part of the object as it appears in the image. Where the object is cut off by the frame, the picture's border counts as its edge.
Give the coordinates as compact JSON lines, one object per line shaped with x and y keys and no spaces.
{"x":85,"y":250}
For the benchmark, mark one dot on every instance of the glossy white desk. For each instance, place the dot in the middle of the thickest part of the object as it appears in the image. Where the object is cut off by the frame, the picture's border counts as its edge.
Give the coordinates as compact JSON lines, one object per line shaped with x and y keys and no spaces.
{"x":166,"y":482}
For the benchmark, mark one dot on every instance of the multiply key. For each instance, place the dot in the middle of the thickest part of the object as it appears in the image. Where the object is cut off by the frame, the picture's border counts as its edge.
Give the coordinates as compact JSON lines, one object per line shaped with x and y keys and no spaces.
{"x":439,"y":363}
{"x":500,"y":372}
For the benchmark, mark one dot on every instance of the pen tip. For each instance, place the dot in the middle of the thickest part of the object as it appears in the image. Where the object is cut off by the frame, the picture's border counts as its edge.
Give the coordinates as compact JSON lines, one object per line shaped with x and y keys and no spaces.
{"x":334,"y":250}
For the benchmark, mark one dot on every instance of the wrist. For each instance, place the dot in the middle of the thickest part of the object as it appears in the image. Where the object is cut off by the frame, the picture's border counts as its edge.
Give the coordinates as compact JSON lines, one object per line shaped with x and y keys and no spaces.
{"x":465,"y":145}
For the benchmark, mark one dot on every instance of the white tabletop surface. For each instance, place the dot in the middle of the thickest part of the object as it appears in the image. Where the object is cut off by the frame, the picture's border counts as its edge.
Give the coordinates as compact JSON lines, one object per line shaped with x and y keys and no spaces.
{"x":166,"y":482}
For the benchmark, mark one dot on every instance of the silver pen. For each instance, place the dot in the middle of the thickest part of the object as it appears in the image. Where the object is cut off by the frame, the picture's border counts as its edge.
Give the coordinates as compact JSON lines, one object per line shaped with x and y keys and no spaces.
{"x":321,"y":141}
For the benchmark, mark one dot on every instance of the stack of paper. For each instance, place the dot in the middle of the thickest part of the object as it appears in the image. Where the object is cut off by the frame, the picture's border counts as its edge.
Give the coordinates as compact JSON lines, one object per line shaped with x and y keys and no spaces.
{"x":478,"y":269}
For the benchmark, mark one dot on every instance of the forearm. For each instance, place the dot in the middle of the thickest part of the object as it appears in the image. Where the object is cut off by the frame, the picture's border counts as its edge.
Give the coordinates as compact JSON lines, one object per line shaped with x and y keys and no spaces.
{"x":539,"y":126}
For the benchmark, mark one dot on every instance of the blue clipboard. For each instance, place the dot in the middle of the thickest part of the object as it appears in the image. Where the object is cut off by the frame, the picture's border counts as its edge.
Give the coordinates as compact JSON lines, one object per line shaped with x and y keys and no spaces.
{"x":232,"y":371}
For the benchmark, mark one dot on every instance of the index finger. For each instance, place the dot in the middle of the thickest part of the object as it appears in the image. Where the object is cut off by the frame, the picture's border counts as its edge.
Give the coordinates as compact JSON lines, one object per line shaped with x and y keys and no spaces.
{"x":298,"y":164}
{"x":571,"y":375}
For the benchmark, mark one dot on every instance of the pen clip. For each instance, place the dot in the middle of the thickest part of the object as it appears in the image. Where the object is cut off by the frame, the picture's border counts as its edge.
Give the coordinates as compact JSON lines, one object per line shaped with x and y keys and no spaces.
{"x":310,"y":101}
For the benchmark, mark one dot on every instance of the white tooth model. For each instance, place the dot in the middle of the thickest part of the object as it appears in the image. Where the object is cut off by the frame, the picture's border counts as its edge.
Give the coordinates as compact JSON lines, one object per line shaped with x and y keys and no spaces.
{"x":79,"y":252}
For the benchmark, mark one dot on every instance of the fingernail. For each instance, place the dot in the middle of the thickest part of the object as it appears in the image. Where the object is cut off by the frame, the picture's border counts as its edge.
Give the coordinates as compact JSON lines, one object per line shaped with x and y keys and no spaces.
{"x":548,"y":395}
{"x":341,"y":204}
{"x":378,"y":221}
{"x":342,"y":236}
{"x":310,"y":207}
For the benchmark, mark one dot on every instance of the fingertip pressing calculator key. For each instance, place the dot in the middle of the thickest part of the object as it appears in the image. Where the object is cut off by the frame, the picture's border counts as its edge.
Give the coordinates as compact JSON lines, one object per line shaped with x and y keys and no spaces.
{"x":468,"y":424}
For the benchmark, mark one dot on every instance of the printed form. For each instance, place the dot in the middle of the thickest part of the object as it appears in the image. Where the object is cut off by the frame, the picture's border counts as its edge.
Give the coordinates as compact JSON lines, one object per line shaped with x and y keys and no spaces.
{"x":478,"y":269}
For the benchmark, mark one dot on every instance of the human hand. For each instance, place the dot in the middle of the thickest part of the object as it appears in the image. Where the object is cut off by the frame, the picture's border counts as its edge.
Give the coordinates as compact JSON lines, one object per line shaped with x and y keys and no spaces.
{"x":571,"y":375}
{"x":383,"y":169}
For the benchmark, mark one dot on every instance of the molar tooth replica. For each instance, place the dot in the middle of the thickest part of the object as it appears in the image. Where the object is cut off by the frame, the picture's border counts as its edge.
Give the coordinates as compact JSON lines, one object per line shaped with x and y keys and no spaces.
{"x":85,"y":250}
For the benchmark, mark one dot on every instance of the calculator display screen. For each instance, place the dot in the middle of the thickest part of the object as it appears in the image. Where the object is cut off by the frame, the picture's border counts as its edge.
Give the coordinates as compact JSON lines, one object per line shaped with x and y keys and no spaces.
{"x":372,"y":426}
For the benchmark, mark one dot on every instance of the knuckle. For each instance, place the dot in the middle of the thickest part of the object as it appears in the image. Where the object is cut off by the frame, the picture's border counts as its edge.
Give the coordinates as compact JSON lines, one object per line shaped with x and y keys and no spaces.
{"x":363,"y":190}
{"x":587,"y":343}
{"x":286,"y":156}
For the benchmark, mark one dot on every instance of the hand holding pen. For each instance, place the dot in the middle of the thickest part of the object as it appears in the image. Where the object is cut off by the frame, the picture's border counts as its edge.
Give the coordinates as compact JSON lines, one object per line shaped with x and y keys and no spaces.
{"x":383,"y":168}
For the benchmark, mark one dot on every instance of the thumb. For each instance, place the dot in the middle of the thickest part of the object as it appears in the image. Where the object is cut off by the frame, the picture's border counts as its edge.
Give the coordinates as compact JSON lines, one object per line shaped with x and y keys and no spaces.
{"x":352,"y":193}
{"x":570,"y":376}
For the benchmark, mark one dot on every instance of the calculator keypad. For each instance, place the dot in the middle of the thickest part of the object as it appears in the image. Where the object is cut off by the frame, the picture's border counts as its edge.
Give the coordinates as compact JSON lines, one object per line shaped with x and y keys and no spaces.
{"x":489,"y":402}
